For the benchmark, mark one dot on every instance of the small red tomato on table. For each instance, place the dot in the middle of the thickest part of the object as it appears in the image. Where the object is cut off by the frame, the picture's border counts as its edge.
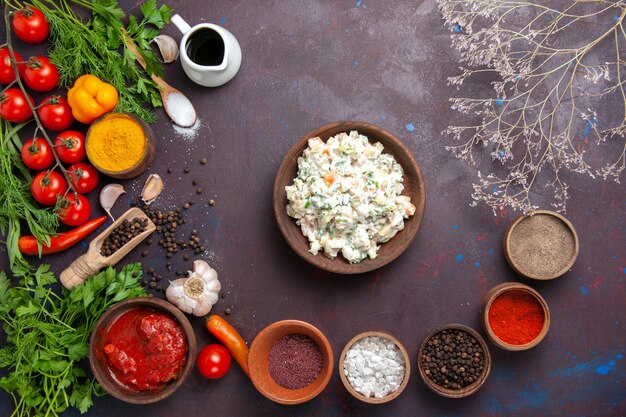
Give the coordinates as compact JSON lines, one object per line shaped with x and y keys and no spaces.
{"x":14,"y":107}
{"x":7,"y":74}
{"x":55,"y":113}
{"x":70,"y":146}
{"x":46,"y":186}
{"x":74,"y":210}
{"x":37,"y":154}
{"x":213,"y":361}
{"x":41,"y":74}
{"x":30,"y":25}
{"x":83,"y":176}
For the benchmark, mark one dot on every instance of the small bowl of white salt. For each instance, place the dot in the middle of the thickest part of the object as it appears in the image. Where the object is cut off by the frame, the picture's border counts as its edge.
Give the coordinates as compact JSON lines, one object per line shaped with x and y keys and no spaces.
{"x":374,"y":367}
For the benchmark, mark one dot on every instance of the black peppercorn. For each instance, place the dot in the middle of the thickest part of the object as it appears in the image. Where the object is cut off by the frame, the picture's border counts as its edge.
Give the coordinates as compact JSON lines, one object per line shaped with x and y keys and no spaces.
{"x":446,"y":361}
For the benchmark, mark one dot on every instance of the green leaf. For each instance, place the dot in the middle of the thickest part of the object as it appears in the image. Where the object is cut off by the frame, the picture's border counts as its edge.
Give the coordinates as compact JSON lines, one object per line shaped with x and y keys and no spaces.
{"x":26,"y":310}
{"x":78,"y":351}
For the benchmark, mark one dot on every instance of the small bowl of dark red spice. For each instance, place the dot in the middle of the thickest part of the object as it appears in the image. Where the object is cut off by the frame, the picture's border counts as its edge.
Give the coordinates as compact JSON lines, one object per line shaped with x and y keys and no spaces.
{"x":142,"y":349}
{"x":374,"y":367}
{"x":454,"y":361}
{"x":541,"y":245}
{"x":515,"y":316}
{"x":290,"y":362}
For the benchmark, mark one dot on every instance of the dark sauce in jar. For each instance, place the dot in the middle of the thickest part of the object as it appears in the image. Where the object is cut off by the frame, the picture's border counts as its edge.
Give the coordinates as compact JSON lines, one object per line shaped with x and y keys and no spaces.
{"x":206,"y":47}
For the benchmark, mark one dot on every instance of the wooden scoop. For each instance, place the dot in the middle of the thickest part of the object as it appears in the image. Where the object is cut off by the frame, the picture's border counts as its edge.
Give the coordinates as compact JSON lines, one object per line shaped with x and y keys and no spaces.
{"x":91,"y":262}
{"x":176,"y":104}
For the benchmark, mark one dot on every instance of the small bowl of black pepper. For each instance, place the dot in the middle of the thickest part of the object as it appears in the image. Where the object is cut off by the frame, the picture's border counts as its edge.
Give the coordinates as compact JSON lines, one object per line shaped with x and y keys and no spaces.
{"x":454,"y":361}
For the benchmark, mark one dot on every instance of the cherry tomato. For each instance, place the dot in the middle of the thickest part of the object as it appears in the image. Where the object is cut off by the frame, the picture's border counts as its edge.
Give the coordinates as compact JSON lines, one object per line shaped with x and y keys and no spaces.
{"x":55,"y":113}
{"x":30,"y":25}
{"x":7,"y":75}
{"x":46,"y":186}
{"x":37,"y":154}
{"x":75,"y":210}
{"x":41,"y":74}
{"x":14,"y":107}
{"x":70,"y":146}
{"x":84,"y":177}
{"x":213,"y":361}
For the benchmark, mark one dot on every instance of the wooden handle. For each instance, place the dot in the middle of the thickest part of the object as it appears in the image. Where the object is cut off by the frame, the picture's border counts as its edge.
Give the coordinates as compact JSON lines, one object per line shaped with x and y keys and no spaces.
{"x":132,"y":46}
{"x":79,"y":270}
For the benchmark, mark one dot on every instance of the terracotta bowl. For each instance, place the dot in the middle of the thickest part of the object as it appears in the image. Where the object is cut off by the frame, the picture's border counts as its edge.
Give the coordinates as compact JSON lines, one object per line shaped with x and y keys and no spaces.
{"x":358,"y":395}
{"x":146,"y":158}
{"x":461,"y":392}
{"x":258,"y":362}
{"x":413,"y":187}
{"x":514,"y":286}
{"x":98,"y":361}
{"x":526,"y":270}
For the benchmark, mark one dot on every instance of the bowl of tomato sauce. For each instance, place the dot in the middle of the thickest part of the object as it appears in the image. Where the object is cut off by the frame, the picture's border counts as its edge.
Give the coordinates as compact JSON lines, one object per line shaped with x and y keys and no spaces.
{"x":142,"y":349}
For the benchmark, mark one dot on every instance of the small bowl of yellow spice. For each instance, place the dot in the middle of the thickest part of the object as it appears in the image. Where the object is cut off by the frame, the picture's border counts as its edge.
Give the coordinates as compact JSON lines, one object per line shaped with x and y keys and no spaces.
{"x":120,"y":145}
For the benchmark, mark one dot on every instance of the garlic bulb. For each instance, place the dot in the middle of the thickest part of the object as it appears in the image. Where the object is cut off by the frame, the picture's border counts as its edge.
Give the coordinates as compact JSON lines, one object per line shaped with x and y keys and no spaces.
{"x":198,"y":293}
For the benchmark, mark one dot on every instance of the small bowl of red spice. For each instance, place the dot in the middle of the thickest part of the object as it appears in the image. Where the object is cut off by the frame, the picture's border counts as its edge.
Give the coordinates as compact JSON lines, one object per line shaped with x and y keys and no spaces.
{"x":515,"y":316}
{"x":142,"y":349}
{"x":290,"y":362}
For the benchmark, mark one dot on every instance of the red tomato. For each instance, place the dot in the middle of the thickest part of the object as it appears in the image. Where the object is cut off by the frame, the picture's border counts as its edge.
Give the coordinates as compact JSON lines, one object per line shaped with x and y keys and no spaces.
{"x":7,"y":75}
{"x":41,"y":74}
{"x":75,"y":210}
{"x":55,"y":113}
{"x":46,"y":186}
{"x":213,"y":361}
{"x":30,"y":25}
{"x":37,"y":154}
{"x":14,"y":107}
{"x":70,"y":146}
{"x":84,"y":177}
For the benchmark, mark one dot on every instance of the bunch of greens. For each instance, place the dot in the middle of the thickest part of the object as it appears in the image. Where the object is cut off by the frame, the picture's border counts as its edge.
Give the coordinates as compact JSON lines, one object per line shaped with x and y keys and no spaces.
{"x":17,"y":204}
{"x":48,"y":335}
{"x":80,"y":47}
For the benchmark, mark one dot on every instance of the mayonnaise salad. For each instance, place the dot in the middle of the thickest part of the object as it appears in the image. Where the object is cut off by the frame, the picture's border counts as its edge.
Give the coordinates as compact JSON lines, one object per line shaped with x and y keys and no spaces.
{"x":347,"y":196}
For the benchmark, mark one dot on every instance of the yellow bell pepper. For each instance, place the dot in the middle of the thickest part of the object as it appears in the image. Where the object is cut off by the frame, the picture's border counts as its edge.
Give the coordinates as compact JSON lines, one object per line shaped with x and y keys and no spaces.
{"x":90,"y":98}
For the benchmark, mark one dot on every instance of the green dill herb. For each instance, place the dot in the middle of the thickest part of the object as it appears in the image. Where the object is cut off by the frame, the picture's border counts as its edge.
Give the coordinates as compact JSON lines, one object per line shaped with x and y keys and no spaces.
{"x":80,"y":47}
{"x":18,"y":206}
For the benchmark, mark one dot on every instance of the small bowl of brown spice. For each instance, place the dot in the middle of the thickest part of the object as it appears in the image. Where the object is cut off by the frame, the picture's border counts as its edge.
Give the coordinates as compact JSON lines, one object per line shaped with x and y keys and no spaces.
{"x":541,"y":245}
{"x":120,"y":145}
{"x":290,"y":362}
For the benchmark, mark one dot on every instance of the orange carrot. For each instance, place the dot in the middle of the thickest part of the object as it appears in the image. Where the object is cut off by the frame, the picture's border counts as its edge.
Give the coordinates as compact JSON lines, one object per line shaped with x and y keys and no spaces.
{"x":330,"y":178}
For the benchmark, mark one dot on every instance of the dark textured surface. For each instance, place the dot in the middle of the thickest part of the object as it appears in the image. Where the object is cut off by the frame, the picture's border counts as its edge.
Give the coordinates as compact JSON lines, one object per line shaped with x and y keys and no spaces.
{"x":309,"y":63}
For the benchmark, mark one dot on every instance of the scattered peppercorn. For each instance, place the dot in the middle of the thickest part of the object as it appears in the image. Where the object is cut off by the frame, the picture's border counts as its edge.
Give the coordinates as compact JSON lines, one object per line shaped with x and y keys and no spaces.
{"x":199,"y":191}
{"x":227,"y":311}
{"x":211,"y":202}
{"x":194,"y":182}
{"x":122,"y":234}
{"x":203,"y":161}
{"x":169,"y":170}
{"x":453,"y":359}
{"x":186,"y":170}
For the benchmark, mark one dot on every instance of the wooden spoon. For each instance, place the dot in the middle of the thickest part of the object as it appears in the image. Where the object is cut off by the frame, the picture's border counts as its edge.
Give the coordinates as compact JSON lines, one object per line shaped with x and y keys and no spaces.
{"x":91,"y":262}
{"x":176,"y":104}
